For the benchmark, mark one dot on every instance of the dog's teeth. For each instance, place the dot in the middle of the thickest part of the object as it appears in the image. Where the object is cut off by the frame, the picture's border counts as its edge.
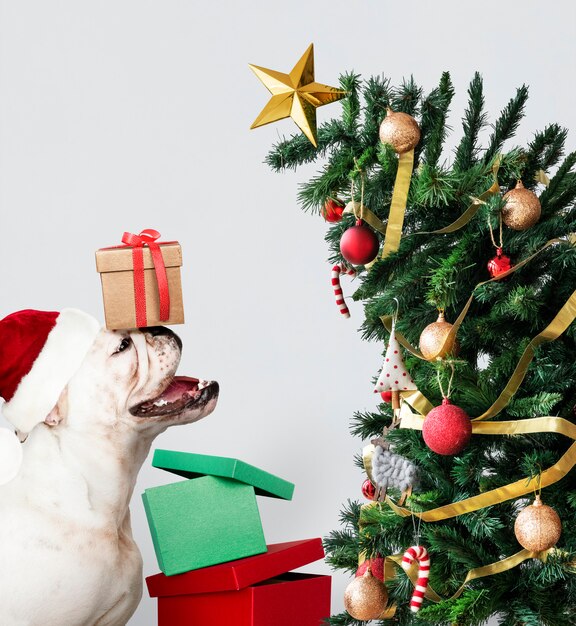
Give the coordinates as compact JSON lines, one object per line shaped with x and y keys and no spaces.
{"x":161,"y":402}
{"x":202,"y":384}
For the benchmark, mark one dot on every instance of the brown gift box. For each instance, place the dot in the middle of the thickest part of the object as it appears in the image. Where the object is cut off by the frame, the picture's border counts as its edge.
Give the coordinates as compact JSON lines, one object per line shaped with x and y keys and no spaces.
{"x":117,"y":274}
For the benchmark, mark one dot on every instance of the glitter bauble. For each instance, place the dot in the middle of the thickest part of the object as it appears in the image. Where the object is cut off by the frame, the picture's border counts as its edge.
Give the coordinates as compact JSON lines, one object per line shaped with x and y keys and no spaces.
{"x":499,"y":264}
{"x":376,"y":565}
{"x":522,"y":209}
{"x":368,"y":489}
{"x":447,"y":429}
{"x":365,"y":597}
{"x":399,"y":130}
{"x":359,"y":244}
{"x":433,"y":337}
{"x":538,"y":527}
{"x":332,"y":210}
{"x":386,"y":396}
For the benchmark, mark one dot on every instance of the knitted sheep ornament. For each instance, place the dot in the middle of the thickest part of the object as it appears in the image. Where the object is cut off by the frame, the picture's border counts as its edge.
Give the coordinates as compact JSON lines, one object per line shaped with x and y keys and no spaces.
{"x":390,"y":470}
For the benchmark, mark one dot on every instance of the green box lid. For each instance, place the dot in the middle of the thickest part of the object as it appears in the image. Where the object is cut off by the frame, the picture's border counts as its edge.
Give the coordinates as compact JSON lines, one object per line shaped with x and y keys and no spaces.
{"x":191,"y":465}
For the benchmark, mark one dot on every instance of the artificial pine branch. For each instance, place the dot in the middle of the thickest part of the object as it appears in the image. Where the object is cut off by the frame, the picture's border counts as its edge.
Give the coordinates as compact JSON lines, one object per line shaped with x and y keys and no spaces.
{"x":507,"y":124}
{"x":544,"y":152}
{"x":474,"y":120}
{"x":434,"y":113}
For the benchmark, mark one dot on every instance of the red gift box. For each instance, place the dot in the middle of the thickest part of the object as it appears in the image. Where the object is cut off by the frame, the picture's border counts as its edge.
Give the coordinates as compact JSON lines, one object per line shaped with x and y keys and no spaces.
{"x":256,"y":591}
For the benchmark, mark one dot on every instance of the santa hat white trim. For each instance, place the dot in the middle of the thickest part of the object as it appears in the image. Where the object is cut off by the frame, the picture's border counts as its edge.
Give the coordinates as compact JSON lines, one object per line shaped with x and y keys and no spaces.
{"x":64,"y":350}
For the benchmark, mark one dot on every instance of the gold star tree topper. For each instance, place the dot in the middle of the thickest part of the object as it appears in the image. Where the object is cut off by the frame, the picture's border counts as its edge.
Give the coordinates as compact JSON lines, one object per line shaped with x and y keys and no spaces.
{"x":295,"y":95}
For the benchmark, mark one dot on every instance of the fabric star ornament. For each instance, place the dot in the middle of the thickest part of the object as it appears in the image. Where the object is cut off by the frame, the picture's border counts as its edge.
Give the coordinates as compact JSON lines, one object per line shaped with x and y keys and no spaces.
{"x":295,"y":95}
{"x":394,"y":376}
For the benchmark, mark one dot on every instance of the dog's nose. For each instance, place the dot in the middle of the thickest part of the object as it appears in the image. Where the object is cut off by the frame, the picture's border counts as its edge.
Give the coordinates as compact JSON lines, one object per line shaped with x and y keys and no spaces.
{"x":158,"y":331}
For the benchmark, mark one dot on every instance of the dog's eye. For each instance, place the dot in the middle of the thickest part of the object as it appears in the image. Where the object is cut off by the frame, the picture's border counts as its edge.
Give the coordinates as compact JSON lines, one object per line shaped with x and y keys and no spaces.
{"x":124,"y":345}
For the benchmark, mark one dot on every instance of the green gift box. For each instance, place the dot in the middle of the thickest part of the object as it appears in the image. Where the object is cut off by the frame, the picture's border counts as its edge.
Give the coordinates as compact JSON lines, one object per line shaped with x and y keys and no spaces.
{"x":213,"y":516}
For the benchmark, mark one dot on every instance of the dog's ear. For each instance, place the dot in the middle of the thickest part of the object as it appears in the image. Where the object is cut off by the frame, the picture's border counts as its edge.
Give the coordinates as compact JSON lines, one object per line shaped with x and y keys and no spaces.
{"x":59,"y":412}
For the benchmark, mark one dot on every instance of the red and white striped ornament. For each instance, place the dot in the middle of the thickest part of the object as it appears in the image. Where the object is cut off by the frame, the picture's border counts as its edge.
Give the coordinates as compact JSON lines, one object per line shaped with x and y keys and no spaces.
{"x":341,"y":268}
{"x":419,"y":554}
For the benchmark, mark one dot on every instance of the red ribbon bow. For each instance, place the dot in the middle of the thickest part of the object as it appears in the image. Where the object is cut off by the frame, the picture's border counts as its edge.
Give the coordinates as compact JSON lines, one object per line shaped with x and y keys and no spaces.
{"x":148,"y":238}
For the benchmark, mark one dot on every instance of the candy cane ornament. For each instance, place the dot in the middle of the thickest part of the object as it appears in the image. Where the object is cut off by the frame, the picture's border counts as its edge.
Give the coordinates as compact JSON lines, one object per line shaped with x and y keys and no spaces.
{"x":420,"y":554}
{"x":336,"y":271}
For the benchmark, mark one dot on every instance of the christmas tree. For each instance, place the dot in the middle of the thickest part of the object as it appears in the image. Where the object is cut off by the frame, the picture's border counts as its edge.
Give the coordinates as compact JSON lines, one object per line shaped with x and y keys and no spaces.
{"x":508,"y":359}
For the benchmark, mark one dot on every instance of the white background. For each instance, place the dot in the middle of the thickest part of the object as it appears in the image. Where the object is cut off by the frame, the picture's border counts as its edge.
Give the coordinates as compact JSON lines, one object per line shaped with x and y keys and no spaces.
{"x":129,"y":114}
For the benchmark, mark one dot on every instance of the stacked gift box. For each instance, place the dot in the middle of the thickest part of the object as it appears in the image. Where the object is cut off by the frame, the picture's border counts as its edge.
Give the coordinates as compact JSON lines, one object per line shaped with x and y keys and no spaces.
{"x":209,"y":541}
{"x":141,"y":284}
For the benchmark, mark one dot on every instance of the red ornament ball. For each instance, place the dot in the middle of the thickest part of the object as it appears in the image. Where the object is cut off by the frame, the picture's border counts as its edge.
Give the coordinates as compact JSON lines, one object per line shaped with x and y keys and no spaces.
{"x":332,"y":210}
{"x":368,"y":489}
{"x":376,"y":565}
{"x":386,"y":396}
{"x":359,"y":244}
{"x":447,"y":429}
{"x":499,"y":264}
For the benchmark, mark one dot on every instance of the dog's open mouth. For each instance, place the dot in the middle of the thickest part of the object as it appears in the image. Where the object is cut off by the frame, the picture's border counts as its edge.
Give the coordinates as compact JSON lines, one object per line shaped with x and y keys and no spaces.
{"x":182,"y":394}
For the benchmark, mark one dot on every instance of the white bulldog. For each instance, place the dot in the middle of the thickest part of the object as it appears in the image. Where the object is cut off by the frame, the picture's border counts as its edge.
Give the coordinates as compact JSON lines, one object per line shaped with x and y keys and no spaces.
{"x":67,"y":557}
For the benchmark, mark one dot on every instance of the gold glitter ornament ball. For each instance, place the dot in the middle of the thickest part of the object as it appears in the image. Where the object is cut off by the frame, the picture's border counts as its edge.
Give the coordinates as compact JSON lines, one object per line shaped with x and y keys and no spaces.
{"x":538,"y":527}
{"x":366,"y":597}
{"x":433,"y":337}
{"x":400,"y":130}
{"x":522,"y":209}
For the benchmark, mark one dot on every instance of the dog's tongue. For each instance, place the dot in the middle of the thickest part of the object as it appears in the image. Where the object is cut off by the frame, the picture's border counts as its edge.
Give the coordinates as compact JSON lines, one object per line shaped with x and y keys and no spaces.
{"x":180,"y":386}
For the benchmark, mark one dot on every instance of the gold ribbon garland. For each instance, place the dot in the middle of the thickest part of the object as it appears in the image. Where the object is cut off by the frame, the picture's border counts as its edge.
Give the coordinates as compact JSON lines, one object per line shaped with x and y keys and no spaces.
{"x":371,"y":219}
{"x":398,"y":204}
{"x":496,"y":496}
{"x":367,"y":454}
{"x":478,"y":572}
{"x":392,"y":231}
{"x":542,"y":177}
{"x":420,"y":403}
{"x":501,"y":494}
{"x":387,"y":319}
{"x":360,"y":210}
{"x":395,"y":560}
{"x":555,"y":328}
{"x":473,"y":208}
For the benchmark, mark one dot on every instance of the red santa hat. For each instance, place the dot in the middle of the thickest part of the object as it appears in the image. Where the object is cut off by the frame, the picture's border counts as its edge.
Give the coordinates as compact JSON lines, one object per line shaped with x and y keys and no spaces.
{"x":40,"y":351}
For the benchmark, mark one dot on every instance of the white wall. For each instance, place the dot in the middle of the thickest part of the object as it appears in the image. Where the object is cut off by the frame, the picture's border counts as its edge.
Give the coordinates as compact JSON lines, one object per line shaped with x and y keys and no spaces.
{"x":126,"y":114}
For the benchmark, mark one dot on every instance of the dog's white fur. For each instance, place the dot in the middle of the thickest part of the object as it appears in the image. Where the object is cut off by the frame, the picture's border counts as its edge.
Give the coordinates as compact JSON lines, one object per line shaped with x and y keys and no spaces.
{"x":67,"y":557}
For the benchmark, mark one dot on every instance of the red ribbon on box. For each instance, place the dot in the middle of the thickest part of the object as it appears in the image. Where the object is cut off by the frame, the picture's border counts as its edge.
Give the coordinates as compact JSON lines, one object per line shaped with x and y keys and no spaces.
{"x":148,"y":238}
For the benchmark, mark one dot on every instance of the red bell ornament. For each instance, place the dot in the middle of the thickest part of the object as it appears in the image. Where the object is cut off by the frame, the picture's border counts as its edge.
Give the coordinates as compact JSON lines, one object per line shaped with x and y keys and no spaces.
{"x":386,"y":396}
{"x":332,"y":210}
{"x":376,"y":565}
{"x":499,"y":264}
{"x":447,"y":429}
{"x":359,"y":244}
{"x":368,"y":489}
